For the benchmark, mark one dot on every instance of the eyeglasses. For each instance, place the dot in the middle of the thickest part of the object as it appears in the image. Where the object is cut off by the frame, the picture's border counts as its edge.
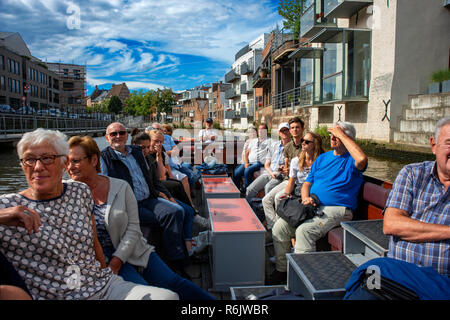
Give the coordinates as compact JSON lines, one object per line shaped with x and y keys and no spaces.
{"x":45,"y":160}
{"x":307,"y":141}
{"x":115,"y":133}
{"x":77,"y":161}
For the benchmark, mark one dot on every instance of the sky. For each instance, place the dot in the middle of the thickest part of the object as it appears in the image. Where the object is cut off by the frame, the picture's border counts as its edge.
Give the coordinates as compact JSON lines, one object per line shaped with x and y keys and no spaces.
{"x":147,"y":44}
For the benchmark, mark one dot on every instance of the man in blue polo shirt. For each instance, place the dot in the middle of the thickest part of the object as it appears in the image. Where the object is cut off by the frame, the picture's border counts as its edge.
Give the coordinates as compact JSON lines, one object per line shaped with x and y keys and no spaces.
{"x":335,"y":178}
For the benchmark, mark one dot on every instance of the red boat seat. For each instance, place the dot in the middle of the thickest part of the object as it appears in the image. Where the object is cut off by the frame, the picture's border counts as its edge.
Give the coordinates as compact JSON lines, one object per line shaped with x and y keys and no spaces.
{"x":375,"y":196}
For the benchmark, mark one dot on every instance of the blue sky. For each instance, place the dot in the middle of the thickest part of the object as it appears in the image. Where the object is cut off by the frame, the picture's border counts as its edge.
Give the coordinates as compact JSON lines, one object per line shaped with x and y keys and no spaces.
{"x":148,"y":44}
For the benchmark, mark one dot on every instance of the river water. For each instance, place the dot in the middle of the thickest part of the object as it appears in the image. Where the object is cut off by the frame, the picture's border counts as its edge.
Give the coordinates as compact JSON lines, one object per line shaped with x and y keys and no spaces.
{"x":12,"y":178}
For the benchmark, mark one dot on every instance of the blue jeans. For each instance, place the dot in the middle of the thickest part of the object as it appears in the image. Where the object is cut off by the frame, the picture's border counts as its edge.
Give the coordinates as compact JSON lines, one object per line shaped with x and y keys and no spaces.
{"x":158,"y":274}
{"x":188,"y":219}
{"x":192,"y":174}
{"x":247,"y":173}
{"x":170,"y":217}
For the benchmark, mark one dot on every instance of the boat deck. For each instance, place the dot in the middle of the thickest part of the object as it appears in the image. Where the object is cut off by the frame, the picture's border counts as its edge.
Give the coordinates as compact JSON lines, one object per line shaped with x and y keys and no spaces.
{"x":199,"y":270}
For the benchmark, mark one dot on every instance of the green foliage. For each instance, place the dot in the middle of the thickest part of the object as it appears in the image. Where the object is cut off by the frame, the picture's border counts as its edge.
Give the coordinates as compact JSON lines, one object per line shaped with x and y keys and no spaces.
{"x":152,"y":101}
{"x":291,"y":11}
{"x":322,"y":131}
{"x":216,"y":125}
{"x":440,"y":75}
{"x":115,"y":105}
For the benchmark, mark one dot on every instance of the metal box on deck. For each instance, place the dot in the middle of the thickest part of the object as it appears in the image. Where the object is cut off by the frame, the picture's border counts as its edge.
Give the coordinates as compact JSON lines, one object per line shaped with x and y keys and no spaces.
{"x":323,"y":275}
{"x":219,"y":188}
{"x":237,"y":249}
{"x":319,"y":275}
{"x":364,"y":240}
{"x":242,"y":293}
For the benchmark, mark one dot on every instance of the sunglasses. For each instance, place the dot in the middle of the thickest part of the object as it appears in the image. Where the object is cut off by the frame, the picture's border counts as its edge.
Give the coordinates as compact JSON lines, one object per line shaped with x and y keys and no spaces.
{"x":307,"y":141}
{"x":115,"y":133}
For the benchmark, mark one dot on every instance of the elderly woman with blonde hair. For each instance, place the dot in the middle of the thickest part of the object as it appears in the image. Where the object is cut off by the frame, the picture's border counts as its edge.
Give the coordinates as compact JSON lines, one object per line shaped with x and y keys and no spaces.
{"x":48,"y":233}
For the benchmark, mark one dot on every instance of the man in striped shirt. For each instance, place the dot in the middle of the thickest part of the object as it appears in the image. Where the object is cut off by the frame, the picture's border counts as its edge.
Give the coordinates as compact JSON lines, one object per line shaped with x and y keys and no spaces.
{"x":417,"y":213}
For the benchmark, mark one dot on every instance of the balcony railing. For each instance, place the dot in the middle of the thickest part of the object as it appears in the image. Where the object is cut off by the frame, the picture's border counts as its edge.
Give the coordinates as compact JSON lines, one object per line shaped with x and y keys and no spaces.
{"x":231,"y":93}
{"x":343,"y":8}
{"x":231,"y":76}
{"x":313,"y":21}
{"x":246,"y":68}
{"x":297,"y":97}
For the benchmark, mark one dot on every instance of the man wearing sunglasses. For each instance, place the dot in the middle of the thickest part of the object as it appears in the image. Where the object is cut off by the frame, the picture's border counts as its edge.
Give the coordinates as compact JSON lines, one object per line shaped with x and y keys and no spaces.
{"x":127,"y":162}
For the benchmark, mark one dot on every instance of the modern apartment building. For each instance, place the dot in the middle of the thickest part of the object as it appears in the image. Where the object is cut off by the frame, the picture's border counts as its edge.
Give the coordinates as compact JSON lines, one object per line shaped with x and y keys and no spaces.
{"x":241,"y":95}
{"x":24,"y":79}
{"x":358,"y":60}
{"x":72,"y":85}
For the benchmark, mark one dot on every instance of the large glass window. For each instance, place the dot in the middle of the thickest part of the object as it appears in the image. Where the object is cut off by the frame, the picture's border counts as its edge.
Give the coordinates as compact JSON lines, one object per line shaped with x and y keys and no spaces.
{"x":358,"y":65}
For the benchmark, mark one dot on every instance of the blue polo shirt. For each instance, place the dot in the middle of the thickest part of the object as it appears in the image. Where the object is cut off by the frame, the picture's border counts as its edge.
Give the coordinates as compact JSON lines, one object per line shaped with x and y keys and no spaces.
{"x":335,"y":180}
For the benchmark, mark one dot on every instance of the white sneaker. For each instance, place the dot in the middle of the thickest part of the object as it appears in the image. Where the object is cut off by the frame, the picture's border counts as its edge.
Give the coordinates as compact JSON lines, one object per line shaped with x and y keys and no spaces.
{"x":200,"y":242}
{"x":201,"y":221}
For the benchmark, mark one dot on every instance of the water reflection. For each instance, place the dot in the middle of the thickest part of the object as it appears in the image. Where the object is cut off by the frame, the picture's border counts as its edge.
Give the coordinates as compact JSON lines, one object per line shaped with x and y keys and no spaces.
{"x":12,"y":178}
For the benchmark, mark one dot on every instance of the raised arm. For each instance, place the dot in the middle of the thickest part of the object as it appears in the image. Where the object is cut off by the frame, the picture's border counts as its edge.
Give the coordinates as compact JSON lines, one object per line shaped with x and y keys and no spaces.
{"x":355,"y":151}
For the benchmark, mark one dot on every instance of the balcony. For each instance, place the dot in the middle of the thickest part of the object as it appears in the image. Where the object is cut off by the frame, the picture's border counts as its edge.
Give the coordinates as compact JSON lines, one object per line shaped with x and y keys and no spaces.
{"x":298,"y":97}
{"x":343,"y":8}
{"x":261,"y":82}
{"x":313,"y":20}
{"x":231,"y":93}
{"x":231,"y":76}
{"x":246,"y":68}
{"x":282,"y":45}
{"x":246,"y":88}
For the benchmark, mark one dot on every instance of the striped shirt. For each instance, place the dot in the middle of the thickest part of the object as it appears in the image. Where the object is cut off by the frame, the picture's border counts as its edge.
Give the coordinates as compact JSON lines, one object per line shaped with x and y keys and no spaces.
{"x":418,"y":191}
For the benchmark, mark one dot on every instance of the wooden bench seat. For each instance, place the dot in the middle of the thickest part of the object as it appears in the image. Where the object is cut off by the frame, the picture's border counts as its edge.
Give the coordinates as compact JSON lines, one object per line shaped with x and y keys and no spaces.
{"x":374,"y":198}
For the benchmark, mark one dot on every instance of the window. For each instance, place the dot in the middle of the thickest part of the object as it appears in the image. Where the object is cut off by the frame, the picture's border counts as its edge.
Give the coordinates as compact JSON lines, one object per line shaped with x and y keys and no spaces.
{"x":2,"y":62}
{"x":9,"y":65}
{"x":2,"y":83}
{"x":18,"y":68}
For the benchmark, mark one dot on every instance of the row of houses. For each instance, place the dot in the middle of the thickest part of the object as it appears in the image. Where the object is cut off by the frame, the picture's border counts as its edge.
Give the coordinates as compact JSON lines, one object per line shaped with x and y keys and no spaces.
{"x":355,"y":60}
{"x":28,"y":81}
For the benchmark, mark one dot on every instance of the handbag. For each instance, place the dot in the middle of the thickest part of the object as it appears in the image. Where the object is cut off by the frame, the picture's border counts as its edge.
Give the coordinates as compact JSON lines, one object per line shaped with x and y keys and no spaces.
{"x":294,"y":212}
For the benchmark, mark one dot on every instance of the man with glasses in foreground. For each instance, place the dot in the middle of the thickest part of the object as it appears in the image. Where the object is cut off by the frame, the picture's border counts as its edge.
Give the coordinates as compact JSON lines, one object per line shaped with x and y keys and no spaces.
{"x":127,"y":162}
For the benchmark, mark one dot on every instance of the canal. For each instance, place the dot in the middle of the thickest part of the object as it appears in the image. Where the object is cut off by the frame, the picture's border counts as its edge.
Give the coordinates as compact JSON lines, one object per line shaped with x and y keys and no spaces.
{"x":13,"y":180}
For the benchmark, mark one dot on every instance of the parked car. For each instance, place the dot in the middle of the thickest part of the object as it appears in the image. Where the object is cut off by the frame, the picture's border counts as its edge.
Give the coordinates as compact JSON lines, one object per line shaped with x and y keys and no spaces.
{"x":55,"y":112}
{"x":26,"y":110}
{"x":5,"y":108}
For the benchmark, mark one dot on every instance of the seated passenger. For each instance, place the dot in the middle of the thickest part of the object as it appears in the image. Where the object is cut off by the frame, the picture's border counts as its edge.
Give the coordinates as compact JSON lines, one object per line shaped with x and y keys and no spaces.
{"x":179,"y":168}
{"x":335,"y":178}
{"x":207,"y":135}
{"x":272,"y":176}
{"x":117,"y":222}
{"x":49,"y":234}
{"x":128,"y":163}
{"x":290,"y":151}
{"x":253,"y":158}
{"x":417,"y":212}
{"x":151,"y":147}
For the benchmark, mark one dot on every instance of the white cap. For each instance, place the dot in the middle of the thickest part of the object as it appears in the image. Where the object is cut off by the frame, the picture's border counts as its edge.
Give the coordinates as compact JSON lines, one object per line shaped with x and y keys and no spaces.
{"x":283,"y":125}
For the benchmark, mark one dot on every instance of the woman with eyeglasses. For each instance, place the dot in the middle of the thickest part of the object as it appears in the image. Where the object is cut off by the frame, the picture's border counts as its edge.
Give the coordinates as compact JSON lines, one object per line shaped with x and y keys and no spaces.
{"x":117,"y":222}
{"x":48,"y":232}
{"x":301,"y":165}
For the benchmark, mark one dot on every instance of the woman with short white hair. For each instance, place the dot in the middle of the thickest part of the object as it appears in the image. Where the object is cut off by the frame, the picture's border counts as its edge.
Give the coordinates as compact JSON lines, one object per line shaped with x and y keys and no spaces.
{"x":48,"y":235}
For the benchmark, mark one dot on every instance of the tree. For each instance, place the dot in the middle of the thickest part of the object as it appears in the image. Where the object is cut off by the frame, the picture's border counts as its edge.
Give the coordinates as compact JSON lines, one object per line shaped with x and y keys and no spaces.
{"x":115,"y":105}
{"x":291,"y":11}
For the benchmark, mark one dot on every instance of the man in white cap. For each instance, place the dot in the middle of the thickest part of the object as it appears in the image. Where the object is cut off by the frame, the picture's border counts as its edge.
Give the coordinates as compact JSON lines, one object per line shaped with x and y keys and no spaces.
{"x":273,"y":165}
